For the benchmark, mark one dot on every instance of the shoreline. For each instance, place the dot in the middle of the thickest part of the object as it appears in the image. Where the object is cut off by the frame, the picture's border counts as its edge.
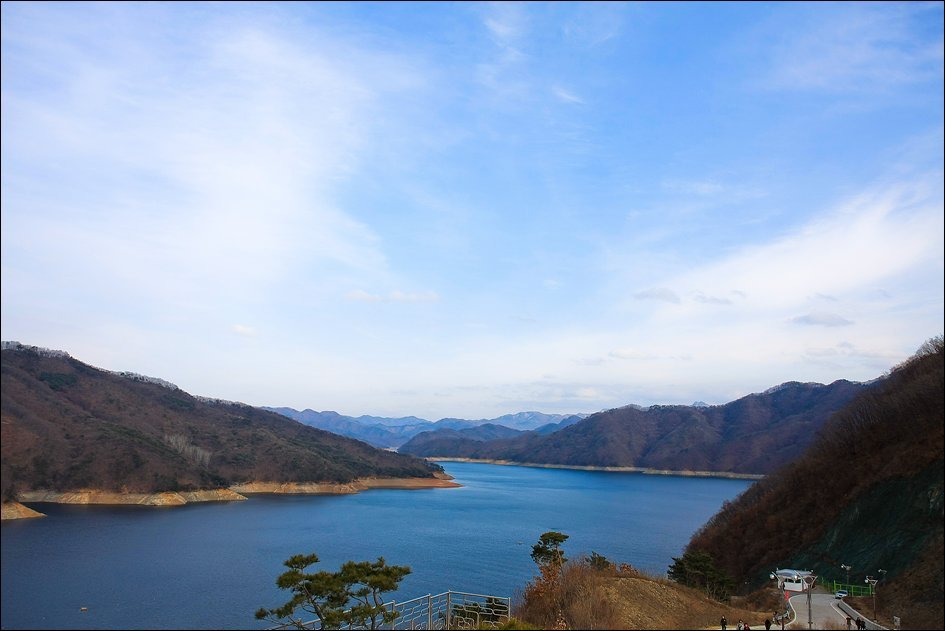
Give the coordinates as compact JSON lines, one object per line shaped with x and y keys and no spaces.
{"x":236,"y":492}
{"x":644,"y":470}
{"x":441,"y":481}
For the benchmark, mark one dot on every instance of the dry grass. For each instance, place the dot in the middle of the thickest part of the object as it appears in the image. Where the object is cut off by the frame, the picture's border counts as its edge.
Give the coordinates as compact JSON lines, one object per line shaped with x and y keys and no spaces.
{"x":585,"y":598}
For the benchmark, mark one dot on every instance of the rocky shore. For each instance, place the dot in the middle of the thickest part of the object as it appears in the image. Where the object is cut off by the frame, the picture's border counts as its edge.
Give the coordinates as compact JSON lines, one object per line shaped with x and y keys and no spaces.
{"x":696,"y":474}
{"x":441,"y":481}
{"x":16,"y":510}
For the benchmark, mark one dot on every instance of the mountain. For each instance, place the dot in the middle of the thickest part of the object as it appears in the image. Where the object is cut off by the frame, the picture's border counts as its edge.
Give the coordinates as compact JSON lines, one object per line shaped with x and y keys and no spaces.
{"x":432,"y":440}
{"x":550,"y":428}
{"x":391,"y":433}
{"x":384,"y":436}
{"x":67,"y":426}
{"x":867,"y":492}
{"x":752,"y":435}
{"x":526,"y":421}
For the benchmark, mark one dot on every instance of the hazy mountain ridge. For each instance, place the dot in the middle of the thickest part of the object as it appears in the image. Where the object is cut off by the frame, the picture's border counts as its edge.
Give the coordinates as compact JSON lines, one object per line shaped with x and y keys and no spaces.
{"x":67,"y":425}
{"x":391,"y":433}
{"x":753,"y":434}
{"x":868,"y":492}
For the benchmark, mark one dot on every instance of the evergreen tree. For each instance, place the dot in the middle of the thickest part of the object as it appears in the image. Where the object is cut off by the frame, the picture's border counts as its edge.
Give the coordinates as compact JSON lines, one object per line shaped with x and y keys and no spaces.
{"x":326,"y":594}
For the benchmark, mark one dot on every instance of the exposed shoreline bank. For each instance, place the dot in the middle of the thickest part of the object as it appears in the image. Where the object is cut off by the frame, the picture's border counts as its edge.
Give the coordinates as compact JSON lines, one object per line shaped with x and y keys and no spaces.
{"x":538,"y":465}
{"x":237,"y":492}
{"x":441,"y":481}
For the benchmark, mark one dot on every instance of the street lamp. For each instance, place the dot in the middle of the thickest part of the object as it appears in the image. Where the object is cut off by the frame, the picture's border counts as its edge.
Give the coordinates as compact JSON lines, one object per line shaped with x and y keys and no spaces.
{"x":780,"y":579}
{"x":883,"y":580}
{"x":809,"y":580}
{"x":872,"y":583}
{"x":847,"y":568}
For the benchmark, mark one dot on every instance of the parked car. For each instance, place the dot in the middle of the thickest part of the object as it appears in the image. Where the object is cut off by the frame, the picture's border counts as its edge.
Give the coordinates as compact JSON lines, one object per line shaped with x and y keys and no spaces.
{"x":842,"y":593}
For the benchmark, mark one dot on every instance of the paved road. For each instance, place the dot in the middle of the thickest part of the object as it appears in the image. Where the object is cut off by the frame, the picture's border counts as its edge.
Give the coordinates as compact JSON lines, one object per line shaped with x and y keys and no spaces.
{"x":825,"y":612}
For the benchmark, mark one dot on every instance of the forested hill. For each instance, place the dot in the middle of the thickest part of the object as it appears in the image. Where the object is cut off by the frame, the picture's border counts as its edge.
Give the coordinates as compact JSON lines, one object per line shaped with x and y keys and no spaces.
{"x":867,"y":493}
{"x":754,"y":434}
{"x":67,"y":425}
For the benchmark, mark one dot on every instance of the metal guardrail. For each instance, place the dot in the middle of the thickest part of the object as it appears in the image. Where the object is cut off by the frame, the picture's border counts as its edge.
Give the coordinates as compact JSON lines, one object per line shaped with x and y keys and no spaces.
{"x":853,"y":590}
{"x":449,"y":610}
{"x":853,"y":613}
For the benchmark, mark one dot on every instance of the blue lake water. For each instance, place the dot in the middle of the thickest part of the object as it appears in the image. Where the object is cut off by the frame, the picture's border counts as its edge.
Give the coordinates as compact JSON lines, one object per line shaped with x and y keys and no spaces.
{"x":210,"y":566}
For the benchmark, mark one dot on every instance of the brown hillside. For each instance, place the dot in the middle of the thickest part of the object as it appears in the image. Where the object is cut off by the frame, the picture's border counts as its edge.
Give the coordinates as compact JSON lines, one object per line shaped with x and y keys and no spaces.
{"x":868,"y":493}
{"x":586,"y":598}
{"x":68,"y":426}
{"x":754,"y":434}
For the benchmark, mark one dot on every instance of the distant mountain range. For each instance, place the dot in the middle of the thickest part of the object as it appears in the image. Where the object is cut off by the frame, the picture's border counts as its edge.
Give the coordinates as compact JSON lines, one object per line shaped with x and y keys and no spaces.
{"x":391,"y":433}
{"x":68,"y":426}
{"x":752,"y":435}
{"x":867,"y":492}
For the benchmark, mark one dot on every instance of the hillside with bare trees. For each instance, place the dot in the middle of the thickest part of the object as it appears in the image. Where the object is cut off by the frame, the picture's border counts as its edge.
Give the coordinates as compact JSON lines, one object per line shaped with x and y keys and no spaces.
{"x":752,"y":435}
{"x":868,"y":493}
{"x":67,"y":425}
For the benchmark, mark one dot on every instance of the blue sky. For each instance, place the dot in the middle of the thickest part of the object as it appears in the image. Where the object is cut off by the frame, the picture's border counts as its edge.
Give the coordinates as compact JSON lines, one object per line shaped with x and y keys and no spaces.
{"x":474,"y":209}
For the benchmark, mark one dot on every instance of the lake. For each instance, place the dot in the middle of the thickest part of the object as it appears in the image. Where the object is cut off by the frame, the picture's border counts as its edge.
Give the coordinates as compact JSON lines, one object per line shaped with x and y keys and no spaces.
{"x":212,"y":565}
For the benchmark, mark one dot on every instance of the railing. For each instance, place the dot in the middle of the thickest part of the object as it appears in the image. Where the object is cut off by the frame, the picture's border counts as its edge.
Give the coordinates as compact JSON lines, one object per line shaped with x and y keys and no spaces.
{"x":853,"y":590}
{"x":449,"y":610}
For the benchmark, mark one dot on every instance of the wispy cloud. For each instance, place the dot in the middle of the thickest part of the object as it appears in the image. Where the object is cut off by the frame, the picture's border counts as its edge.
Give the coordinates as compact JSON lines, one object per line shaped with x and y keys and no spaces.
{"x":506,"y":21}
{"x":658,"y":293}
{"x":631,"y":353}
{"x":359,"y":295}
{"x":565,"y":95}
{"x":821,"y":318}
{"x":711,"y":300}
{"x":864,"y":47}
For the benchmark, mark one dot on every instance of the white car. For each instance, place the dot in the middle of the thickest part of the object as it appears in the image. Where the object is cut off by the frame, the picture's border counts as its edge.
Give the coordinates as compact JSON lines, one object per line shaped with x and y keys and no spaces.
{"x":841,"y":594}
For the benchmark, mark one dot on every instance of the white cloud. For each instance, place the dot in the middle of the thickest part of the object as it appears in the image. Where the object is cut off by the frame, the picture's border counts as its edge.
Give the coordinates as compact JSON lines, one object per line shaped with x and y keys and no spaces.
{"x":208,"y":167}
{"x":855,"y":247}
{"x":243,"y":330}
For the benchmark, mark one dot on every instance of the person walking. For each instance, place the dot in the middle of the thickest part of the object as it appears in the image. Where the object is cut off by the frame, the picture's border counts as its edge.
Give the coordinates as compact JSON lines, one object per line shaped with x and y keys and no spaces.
{"x":723,"y":623}
{"x":767,"y":624}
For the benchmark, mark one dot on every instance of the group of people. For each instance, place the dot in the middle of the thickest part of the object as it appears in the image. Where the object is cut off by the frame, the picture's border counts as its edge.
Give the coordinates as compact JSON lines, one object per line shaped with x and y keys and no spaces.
{"x":743,"y":625}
